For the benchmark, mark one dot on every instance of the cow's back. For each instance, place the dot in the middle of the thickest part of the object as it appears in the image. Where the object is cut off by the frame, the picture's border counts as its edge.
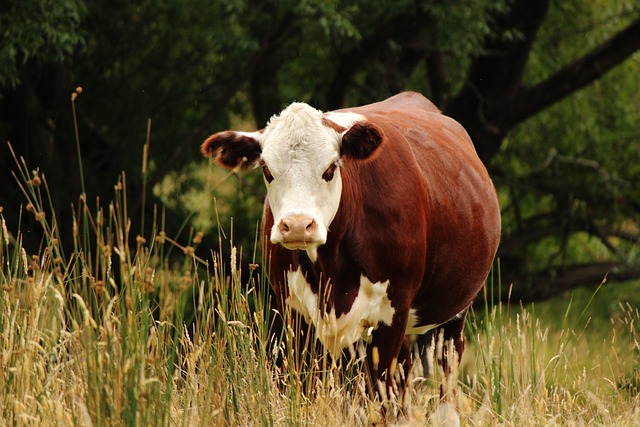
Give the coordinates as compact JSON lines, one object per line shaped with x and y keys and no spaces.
{"x":405,"y":101}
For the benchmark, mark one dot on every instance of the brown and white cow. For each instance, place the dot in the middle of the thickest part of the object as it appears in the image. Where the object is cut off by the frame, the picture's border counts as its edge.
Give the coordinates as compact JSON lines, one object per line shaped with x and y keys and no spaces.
{"x":385,"y":206}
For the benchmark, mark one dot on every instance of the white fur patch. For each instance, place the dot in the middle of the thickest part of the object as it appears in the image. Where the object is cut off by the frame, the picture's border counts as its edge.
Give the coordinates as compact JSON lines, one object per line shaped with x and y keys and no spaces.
{"x":371,"y":306}
{"x":346,"y":119}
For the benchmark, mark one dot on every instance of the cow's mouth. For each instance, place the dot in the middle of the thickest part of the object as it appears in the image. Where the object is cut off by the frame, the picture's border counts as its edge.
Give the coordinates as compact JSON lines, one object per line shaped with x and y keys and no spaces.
{"x":293,"y":246}
{"x":310,"y":247}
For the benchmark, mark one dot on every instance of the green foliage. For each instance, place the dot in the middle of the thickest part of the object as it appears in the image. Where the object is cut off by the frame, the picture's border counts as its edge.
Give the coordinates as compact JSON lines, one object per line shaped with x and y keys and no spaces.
{"x":36,"y":32}
{"x":460,"y":29}
{"x":171,"y":62}
{"x":574,"y":166}
{"x":216,"y":199}
{"x":198,"y":66}
{"x":571,"y":29}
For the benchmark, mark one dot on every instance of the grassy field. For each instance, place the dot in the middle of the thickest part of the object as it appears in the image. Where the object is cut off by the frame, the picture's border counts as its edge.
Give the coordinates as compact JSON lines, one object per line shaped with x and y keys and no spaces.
{"x":131,"y":329}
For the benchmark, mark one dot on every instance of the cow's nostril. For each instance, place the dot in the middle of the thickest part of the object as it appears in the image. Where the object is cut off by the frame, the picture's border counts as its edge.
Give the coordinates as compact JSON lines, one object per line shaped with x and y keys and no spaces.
{"x":312,"y":225}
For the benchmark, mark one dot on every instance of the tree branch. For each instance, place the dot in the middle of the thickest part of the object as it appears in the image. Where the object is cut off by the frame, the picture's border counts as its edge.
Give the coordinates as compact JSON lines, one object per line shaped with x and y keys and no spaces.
{"x":551,"y":283}
{"x":593,"y":65}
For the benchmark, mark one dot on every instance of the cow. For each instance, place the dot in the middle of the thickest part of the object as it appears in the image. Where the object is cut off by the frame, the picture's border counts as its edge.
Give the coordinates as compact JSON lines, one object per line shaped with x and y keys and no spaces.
{"x":380,"y":221}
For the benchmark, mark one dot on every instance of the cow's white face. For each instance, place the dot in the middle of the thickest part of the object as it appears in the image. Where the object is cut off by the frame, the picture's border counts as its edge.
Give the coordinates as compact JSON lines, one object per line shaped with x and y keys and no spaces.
{"x":300,"y":153}
{"x":300,"y":161}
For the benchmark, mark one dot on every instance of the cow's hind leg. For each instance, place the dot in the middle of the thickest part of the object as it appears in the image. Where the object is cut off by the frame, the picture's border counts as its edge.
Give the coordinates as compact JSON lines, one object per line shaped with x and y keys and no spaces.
{"x":449,"y":350}
{"x":453,"y":332}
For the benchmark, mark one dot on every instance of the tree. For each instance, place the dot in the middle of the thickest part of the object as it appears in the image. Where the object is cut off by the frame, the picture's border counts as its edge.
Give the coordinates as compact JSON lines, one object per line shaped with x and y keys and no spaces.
{"x":135,"y":60}
{"x":572,"y":193}
{"x":570,"y":209}
{"x":36,"y":36}
{"x":527,"y":79}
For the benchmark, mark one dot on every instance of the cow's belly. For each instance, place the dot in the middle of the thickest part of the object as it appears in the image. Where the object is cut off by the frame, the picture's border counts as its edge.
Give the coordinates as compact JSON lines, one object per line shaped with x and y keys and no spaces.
{"x":370,"y":308}
{"x":416,"y":326}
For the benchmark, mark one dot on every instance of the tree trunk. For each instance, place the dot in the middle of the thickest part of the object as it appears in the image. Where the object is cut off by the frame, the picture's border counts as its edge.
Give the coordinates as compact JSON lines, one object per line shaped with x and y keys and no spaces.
{"x":494,"y":78}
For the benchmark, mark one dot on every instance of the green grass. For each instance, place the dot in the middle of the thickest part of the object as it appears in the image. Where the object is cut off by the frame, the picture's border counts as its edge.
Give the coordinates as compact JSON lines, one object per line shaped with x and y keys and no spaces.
{"x":130,"y":327}
{"x":571,"y":360}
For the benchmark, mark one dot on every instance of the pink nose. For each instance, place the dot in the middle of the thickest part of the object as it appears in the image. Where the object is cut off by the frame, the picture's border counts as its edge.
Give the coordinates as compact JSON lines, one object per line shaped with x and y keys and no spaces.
{"x":298,"y":229}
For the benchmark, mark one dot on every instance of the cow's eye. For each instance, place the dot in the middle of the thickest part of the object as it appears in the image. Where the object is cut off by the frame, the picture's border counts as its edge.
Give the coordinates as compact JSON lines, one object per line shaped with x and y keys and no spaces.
{"x":328,"y":174}
{"x":267,"y":173}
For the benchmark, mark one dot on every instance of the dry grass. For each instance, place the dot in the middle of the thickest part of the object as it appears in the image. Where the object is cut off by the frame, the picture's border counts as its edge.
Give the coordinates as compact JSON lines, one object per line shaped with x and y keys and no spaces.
{"x":521,"y":371}
{"x":111,"y":332}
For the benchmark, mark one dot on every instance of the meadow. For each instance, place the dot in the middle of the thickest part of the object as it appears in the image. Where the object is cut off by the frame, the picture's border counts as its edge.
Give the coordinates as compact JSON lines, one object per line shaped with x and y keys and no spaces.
{"x":129,"y":326}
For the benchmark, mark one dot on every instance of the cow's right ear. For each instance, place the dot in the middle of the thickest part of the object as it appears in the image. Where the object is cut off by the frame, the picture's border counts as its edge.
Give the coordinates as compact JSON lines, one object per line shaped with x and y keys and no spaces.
{"x":231,"y":149}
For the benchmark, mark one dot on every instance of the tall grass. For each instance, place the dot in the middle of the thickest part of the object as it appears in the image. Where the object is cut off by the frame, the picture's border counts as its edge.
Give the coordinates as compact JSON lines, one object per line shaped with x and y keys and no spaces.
{"x":523,"y":370}
{"x":128,"y":327}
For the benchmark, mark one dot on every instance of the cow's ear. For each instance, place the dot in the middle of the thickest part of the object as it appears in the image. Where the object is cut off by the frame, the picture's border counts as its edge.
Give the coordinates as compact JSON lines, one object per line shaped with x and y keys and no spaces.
{"x":232,"y":149}
{"x":360,"y":140}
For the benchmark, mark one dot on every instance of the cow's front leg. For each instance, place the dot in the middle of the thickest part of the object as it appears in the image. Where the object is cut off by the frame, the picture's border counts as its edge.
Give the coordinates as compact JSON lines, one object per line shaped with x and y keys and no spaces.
{"x":389,"y":359}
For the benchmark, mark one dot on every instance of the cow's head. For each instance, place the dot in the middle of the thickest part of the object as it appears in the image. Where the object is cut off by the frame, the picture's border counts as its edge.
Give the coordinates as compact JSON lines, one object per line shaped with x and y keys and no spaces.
{"x":300,"y":152}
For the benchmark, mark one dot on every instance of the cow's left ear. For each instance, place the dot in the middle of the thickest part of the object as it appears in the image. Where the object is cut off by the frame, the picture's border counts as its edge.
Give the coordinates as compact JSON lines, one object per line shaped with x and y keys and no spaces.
{"x":232,"y":149}
{"x":360,"y":140}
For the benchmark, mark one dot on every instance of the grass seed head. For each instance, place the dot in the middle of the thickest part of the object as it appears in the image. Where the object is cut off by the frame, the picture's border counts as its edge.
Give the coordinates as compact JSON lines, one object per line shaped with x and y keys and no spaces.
{"x":198,"y":238}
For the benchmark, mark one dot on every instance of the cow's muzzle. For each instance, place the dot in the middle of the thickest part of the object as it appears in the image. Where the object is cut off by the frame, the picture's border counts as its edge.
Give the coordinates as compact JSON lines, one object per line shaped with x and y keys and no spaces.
{"x":298,"y":232}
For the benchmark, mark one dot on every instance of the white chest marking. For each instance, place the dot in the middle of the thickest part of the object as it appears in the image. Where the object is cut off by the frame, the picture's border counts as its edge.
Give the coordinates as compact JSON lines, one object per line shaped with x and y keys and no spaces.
{"x":370,"y":307}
